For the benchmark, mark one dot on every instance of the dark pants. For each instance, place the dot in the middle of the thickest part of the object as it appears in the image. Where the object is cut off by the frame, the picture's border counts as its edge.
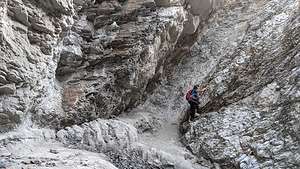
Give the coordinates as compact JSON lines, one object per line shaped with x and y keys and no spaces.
{"x":193,"y":109}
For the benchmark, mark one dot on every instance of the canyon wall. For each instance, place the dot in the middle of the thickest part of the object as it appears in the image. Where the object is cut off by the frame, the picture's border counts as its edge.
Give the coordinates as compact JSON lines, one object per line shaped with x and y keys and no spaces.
{"x":66,"y":62}
{"x":101,"y":84}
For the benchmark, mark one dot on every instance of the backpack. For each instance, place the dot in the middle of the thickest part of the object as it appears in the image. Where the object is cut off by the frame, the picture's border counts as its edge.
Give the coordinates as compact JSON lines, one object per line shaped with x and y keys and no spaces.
{"x":188,"y":95}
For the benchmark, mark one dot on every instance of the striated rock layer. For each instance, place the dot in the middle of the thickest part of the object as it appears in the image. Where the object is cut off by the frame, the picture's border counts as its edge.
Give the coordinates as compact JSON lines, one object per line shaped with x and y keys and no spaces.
{"x":250,"y":115}
{"x":29,"y":35}
{"x":71,"y":65}
{"x":116,"y":51}
{"x":66,"y":62}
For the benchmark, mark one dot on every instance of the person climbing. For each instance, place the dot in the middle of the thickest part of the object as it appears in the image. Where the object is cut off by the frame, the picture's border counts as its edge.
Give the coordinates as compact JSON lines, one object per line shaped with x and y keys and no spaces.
{"x":192,"y":97}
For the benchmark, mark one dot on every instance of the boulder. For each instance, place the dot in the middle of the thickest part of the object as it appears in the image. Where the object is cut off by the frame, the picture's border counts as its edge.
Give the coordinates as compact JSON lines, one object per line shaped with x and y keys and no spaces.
{"x":99,"y":135}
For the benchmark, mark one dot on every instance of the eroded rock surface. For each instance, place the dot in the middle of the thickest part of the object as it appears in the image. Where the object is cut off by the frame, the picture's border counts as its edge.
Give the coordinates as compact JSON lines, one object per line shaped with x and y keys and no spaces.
{"x":68,"y":62}
{"x":251,"y":110}
{"x":116,"y":51}
{"x":119,"y":142}
{"x":27,"y":71}
{"x":99,"y":135}
{"x":70,"y":65}
{"x":37,"y":148}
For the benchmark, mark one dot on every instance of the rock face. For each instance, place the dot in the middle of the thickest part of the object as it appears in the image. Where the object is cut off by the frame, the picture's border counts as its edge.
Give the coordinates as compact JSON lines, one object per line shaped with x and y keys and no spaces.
{"x":106,"y":79}
{"x":71,"y":62}
{"x":116,"y":51}
{"x":251,"y":112}
{"x":27,"y":71}
{"x":99,"y":135}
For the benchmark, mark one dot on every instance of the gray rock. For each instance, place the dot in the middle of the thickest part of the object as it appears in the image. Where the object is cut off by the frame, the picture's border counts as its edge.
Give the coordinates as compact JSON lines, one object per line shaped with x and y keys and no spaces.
{"x":192,"y":24}
{"x":246,"y":162}
{"x":9,"y":120}
{"x":3,"y":163}
{"x":124,"y":53}
{"x":99,"y":135}
{"x":8,"y":89}
{"x":200,"y":8}
{"x":166,"y":3}
{"x":57,"y":6}
{"x":3,"y":80}
{"x":248,"y":108}
{"x":70,"y":59}
{"x":74,"y":63}
{"x":119,"y":142}
{"x":26,"y":74}
{"x":19,"y":12}
{"x":4,"y":118}
{"x":34,"y":153}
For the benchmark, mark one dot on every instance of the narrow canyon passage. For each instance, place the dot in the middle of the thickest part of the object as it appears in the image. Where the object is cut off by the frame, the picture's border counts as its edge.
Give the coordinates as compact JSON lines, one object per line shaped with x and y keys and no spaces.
{"x":247,"y":53}
{"x":224,"y":34}
{"x":162,"y":111}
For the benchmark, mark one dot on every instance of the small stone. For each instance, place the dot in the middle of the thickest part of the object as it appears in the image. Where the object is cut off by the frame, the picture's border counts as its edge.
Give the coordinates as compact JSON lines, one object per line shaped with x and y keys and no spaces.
{"x":50,"y":164}
{"x":53,"y":151}
{"x":37,"y":162}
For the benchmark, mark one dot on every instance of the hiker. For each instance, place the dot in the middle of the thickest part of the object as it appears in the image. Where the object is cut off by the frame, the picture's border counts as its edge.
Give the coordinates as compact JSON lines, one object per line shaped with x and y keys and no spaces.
{"x":192,"y":97}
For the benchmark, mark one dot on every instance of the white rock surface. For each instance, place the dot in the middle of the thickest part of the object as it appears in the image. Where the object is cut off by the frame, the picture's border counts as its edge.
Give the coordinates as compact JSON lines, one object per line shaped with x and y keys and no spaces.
{"x":99,"y":135}
{"x":74,"y":66}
